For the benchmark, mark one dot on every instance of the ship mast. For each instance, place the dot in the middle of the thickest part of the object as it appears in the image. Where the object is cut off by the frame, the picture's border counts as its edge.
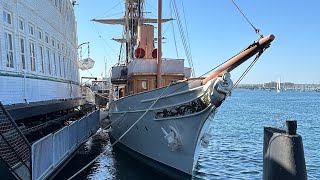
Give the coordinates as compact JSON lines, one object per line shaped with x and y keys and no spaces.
{"x":159,"y":52}
{"x":132,"y":19}
{"x":127,"y":30}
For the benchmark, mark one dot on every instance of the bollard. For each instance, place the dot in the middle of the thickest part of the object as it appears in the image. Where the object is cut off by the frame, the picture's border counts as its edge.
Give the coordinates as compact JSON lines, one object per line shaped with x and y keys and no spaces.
{"x":283,"y":155}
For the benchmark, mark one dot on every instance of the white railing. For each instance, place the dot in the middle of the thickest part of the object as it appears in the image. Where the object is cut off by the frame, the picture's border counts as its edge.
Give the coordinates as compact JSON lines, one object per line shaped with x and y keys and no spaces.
{"x":50,"y":151}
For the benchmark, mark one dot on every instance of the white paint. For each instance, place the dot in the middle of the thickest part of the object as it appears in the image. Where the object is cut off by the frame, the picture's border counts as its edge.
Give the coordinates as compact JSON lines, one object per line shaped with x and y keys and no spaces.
{"x":59,"y":24}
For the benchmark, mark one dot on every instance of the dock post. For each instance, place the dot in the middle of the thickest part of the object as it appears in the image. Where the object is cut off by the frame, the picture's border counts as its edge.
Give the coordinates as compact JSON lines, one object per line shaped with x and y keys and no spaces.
{"x":283,"y":155}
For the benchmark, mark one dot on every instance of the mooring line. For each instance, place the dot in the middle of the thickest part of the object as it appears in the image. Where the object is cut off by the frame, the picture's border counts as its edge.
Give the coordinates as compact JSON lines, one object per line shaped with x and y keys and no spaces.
{"x":95,"y":159}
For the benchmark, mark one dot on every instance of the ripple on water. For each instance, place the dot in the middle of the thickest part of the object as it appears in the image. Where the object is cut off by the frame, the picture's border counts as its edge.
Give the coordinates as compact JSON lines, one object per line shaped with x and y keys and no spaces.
{"x":235,"y":150}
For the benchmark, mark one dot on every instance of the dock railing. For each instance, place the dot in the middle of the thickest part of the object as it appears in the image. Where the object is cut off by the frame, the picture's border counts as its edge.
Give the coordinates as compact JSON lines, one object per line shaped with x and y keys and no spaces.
{"x":49,"y":152}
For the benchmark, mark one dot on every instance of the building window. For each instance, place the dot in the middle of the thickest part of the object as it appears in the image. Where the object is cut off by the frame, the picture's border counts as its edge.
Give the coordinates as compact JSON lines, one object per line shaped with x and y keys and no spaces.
{"x":7,"y":17}
{"x":23,"y":54}
{"x":21,"y":24}
{"x":9,"y":49}
{"x":41,"y":59}
{"x":48,"y":60}
{"x":32,"y":56}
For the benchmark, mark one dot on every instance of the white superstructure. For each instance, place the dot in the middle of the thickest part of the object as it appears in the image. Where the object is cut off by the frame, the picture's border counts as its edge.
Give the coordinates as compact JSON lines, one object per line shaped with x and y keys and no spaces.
{"x":38,"y":51}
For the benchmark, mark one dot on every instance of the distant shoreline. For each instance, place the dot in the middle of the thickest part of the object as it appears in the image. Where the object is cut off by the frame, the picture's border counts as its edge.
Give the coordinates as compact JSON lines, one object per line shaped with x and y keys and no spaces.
{"x":272,"y":86}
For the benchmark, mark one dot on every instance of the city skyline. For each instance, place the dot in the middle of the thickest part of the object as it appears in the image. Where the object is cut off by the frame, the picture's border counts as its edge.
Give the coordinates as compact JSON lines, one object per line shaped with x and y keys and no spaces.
{"x":216,"y":32}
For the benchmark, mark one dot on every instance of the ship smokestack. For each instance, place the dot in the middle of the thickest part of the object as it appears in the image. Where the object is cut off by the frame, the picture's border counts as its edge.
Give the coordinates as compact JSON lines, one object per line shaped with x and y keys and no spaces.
{"x":145,"y":41}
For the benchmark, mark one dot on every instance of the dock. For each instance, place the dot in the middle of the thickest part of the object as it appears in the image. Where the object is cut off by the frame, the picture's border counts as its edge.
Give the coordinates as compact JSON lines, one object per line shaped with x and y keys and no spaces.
{"x":25,"y":155}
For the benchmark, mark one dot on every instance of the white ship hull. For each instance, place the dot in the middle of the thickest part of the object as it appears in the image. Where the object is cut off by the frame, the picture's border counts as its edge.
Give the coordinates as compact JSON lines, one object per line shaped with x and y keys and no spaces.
{"x":26,"y":90}
{"x":38,"y":52}
{"x":184,"y":108}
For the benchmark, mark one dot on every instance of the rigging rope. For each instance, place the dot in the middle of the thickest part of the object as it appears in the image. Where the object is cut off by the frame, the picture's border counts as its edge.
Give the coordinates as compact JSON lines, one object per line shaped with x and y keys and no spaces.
{"x":174,"y":33}
{"x":214,"y":108}
{"x":246,"y":71}
{"x":184,"y":39}
{"x":112,"y":8}
{"x":257,"y":57}
{"x":257,"y":31}
{"x":185,"y":24}
{"x":188,"y":53}
{"x":91,"y":162}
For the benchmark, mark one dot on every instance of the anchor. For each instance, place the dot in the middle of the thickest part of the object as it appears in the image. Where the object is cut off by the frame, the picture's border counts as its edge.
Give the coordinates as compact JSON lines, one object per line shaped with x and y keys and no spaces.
{"x":173,"y":138}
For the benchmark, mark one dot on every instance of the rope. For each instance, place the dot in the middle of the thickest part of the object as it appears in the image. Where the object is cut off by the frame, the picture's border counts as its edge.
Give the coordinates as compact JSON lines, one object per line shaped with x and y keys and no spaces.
{"x":174,"y":34}
{"x":210,"y":70}
{"x":242,"y":76}
{"x":214,"y":108}
{"x":246,"y":71}
{"x":104,"y":14}
{"x":185,"y":43}
{"x":91,"y":162}
{"x":257,"y":31}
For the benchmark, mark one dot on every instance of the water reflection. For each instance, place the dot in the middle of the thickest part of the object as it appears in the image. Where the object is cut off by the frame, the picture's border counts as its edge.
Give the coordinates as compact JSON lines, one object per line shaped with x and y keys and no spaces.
{"x":113,"y":165}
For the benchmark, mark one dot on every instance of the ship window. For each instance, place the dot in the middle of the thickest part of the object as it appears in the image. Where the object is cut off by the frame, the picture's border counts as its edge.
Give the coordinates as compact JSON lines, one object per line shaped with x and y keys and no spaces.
{"x":48,"y":60}
{"x":31,"y":29}
{"x":60,"y":65}
{"x":58,"y":45}
{"x":55,"y":63}
{"x":144,"y":84}
{"x":23,"y":53}
{"x":21,"y":24}
{"x":32,"y":56}
{"x":39,"y":34}
{"x":60,"y":5}
{"x":64,"y":67}
{"x":41,"y":59}
{"x":53,"y":42}
{"x":47,"y":38}
{"x":7,"y":17}
{"x":9,"y":49}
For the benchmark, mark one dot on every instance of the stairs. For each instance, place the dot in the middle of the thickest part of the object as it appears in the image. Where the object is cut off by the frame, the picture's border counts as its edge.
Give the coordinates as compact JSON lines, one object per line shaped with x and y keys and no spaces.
{"x":15,"y":150}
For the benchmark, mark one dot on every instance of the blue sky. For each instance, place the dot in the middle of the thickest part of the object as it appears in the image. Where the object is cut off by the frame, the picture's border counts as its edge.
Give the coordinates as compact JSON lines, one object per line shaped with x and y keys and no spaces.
{"x":216,"y":32}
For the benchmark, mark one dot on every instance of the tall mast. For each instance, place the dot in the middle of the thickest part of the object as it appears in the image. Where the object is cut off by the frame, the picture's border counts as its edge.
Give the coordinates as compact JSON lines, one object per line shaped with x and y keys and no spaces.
{"x":133,"y":16}
{"x":127,"y":31}
{"x":159,"y":53}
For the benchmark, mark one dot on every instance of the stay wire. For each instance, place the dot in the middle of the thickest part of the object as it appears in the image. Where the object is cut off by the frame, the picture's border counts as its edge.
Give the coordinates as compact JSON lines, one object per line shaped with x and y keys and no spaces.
{"x":255,"y":29}
{"x":96,"y":158}
{"x":214,"y":108}
{"x":246,"y":71}
{"x":213,"y":68}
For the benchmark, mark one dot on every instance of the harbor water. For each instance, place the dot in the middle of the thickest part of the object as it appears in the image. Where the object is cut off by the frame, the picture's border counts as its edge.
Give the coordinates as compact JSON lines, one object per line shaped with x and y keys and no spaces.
{"x":235,"y":149}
